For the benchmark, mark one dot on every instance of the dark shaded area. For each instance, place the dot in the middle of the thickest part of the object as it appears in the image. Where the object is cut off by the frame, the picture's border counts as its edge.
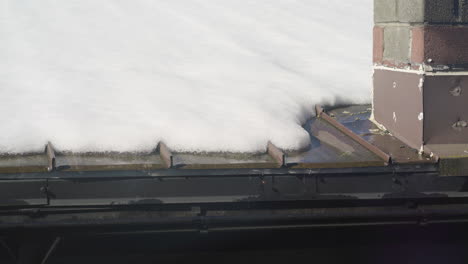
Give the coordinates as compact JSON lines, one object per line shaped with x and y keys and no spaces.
{"x":396,"y":244}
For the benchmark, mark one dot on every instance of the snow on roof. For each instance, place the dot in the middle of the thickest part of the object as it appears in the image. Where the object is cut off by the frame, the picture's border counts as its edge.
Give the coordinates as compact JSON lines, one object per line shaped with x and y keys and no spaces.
{"x":200,"y":75}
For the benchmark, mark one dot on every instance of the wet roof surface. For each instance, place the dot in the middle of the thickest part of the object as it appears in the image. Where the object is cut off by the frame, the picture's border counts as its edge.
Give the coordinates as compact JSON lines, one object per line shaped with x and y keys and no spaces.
{"x":110,"y":161}
{"x":24,"y":163}
{"x":223,"y":160}
{"x":330,"y":148}
{"x":357,"y":118}
{"x":449,"y":150}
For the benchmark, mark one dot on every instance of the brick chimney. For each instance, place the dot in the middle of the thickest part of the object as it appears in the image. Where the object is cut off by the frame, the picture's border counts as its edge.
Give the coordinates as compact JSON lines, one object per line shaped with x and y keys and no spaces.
{"x":421,"y":70}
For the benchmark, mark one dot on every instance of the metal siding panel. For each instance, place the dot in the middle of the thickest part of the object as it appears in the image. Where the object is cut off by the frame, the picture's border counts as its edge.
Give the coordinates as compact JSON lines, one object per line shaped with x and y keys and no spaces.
{"x":399,"y":93}
{"x":443,"y":109}
{"x":154,"y":191}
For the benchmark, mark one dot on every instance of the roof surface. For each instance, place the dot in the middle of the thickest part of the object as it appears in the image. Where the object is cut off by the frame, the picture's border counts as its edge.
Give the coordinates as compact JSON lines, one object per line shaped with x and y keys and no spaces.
{"x":332,"y":147}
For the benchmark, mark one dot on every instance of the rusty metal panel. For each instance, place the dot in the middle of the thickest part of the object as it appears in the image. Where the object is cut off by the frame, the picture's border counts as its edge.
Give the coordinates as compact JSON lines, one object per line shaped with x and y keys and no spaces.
{"x":446,"y":110}
{"x":398,"y":105}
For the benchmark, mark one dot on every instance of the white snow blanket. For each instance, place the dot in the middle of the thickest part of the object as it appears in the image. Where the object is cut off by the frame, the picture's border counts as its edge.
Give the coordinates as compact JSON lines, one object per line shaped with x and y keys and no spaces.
{"x":200,"y":75}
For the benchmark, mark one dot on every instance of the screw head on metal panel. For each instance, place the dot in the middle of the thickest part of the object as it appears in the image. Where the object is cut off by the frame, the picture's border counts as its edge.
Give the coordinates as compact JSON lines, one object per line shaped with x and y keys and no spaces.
{"x":44,"y":190}
{"x":460,"y":125}
{"x":456,"y":91}
{"x":421,"y":116}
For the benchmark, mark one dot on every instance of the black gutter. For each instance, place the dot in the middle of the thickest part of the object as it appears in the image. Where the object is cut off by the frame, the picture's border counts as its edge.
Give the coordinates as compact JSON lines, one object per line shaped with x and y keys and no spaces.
{"x":146,"y":221}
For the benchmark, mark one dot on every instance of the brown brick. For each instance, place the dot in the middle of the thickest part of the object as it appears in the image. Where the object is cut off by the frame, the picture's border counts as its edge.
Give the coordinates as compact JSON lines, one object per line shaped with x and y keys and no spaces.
{"x":440,"y":45}
{"x":417,"y":45}
{"x":446,"y":44}
{"x":378,"y":44}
